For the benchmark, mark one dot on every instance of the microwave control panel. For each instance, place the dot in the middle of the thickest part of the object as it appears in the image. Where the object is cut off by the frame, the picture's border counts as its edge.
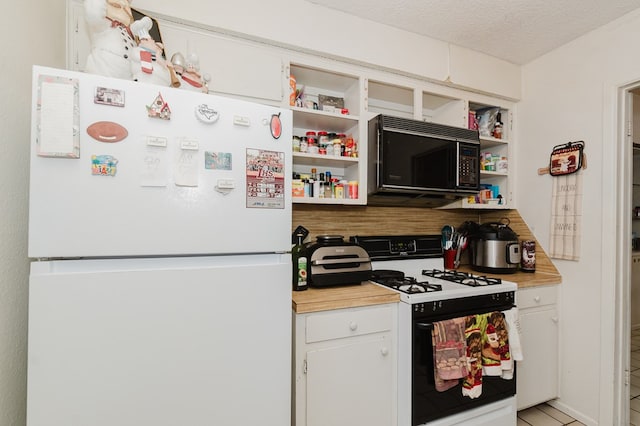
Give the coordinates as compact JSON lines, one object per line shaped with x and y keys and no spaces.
{"x":468,"y":166}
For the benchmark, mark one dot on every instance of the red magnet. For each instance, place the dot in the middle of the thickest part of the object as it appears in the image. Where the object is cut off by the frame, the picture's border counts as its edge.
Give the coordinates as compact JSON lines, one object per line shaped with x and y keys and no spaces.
{"x":276,"y":126}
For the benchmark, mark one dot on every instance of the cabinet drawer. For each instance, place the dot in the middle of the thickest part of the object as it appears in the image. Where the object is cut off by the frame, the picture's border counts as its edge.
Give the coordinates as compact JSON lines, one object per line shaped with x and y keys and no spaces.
{"x":347,"y":323}
{"x":536,"y":296}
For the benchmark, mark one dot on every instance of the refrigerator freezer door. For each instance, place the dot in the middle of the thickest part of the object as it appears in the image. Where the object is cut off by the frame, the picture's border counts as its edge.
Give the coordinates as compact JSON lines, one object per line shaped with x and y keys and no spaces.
{"x":173,"y":341}
{"x":181,"y":186}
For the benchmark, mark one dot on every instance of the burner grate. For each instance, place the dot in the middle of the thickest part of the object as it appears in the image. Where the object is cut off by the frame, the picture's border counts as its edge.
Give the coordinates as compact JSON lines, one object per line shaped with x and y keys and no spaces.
{"x":462,"y":277}
{"x":409,"y":285}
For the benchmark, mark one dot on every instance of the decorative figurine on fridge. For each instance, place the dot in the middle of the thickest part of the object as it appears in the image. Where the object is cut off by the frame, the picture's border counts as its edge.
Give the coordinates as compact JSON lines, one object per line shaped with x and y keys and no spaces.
{"x":147,"y":59}
{"x":188,"y":72}
{"x":112,"y":42}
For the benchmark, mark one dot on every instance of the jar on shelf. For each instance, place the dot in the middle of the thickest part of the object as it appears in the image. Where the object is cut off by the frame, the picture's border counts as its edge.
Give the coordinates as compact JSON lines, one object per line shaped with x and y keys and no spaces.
{"x":304,"y":146}
{"x":349,"y":146}
{"x":337,"y":147}
{"x":353,"y":190}
{"x":311,"y":138}
{"x":502,"y":165}
{"x":329,"y":149}
{"x":296,"y":144}
{"x":343,"y":141}
{"x":323,"y":139}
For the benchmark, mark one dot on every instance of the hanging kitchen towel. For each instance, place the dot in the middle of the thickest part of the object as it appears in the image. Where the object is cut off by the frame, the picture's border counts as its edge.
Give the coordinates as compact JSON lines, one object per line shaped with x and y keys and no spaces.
{"x":566,"y":217}
{"x":449,"y":353}
{"x":472,"y":383}
{"x":491,"y":365}
{"x":515,"y":348}
{"x":513,"y":328}
{"x":496,"y":358}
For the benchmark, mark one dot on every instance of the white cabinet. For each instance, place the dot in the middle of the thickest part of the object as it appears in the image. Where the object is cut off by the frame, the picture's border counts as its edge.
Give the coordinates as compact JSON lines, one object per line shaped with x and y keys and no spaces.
{"x":311,"y":114}
{"x":236,"y":67}
{"x":470,"y":68}
{"x":453,"y":108}
{"x":537,"y":374}
{"x":78,"y":46}
{"x":231,"y":63}
{"x":344,"y":367}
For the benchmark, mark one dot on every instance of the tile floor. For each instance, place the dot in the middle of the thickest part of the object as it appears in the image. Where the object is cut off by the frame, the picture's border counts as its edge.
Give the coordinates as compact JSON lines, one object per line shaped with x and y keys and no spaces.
{"x":545,"y":415}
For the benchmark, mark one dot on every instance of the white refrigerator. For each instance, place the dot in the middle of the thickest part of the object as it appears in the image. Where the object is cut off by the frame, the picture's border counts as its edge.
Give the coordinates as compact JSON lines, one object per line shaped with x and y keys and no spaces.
{"x":159,"y":228}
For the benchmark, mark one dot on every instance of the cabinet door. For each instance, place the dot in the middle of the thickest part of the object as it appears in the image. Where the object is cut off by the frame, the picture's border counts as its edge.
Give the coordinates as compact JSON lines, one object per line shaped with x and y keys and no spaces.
{"x":350,"y":385}
{"x":78,"y":44}
{"x":235,"y":67}
{"x":537,"y":374}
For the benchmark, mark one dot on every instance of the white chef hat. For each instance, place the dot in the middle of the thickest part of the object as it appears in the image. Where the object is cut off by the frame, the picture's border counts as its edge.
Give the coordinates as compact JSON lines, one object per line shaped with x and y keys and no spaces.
{"x":141,"y":27}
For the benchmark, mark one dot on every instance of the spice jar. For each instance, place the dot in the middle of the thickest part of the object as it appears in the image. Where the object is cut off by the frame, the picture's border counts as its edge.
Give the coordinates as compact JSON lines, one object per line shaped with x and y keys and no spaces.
{"x":323,"y":139}
{"x":337,"y":147}
{"x":311,"y":138}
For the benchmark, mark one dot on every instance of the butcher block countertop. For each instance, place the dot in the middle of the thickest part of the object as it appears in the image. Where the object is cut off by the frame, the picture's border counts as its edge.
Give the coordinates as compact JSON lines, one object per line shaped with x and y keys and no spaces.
{"x":348,"y":296}
{"x":523,"y":279}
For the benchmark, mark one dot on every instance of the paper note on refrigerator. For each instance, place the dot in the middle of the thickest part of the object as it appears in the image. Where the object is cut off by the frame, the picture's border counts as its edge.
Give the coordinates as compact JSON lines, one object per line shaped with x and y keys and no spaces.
{"x":58,"y":134}
{"x":186,"y":167}
{"x":154,"y":168}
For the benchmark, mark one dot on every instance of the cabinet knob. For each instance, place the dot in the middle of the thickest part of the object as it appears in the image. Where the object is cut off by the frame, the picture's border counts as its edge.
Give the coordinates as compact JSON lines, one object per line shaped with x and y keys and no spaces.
{"x":554,"y":319}
{"x":537,"y":299}
{"x":353,"y":326}
{"x":384,"y":351}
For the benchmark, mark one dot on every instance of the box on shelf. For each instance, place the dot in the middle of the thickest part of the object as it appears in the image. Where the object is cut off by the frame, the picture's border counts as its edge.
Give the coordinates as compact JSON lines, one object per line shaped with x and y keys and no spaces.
{"x":330,"y":103}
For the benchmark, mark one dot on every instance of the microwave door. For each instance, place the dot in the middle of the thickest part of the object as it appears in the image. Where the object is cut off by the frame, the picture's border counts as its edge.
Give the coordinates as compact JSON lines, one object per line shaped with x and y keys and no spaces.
{"x":433,"y":166}
{"x":417,"y":162}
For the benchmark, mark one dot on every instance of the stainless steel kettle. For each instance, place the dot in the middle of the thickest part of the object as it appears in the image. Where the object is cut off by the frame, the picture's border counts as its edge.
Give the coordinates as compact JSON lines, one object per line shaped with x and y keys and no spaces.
{"x":495,"y":248}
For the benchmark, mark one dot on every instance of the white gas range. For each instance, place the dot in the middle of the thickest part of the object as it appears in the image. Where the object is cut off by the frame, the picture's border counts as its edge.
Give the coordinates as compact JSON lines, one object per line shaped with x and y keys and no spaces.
{"x":413,"y":266}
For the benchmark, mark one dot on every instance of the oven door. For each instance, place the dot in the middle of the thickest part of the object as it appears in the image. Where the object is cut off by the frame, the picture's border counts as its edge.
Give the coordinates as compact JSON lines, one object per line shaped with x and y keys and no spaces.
{"x":429,"y":404}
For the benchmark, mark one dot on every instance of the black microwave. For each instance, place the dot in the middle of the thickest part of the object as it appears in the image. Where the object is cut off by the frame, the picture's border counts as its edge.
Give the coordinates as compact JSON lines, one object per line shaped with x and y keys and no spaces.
{"x":416,"y":162}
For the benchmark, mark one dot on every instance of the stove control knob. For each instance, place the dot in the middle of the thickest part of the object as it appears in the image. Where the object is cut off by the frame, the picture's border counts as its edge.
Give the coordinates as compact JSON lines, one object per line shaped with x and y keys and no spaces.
{"x":353,"y":326}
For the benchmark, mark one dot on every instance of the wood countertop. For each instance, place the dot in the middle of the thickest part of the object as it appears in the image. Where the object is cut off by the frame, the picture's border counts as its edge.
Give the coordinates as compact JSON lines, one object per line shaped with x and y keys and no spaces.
{"x":367,"y":293}
{"x":348,"y":296}
{"x":523,"y":279}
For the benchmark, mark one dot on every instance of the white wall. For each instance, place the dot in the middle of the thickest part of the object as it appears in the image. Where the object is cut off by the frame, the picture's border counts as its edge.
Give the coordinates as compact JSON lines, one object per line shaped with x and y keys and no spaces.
{"x":30,"y":35}
{"x":568,"y":95}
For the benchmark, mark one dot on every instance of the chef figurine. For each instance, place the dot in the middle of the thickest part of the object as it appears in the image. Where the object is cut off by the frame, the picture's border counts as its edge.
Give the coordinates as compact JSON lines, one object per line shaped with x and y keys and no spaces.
{"x":108,"y":22}
{"x":188,"y":72}
{"x":147,"y":60}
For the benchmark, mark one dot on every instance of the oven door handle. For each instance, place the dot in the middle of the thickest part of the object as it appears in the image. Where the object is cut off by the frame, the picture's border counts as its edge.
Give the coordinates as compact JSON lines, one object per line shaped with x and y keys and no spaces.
{"x":425,"y":325}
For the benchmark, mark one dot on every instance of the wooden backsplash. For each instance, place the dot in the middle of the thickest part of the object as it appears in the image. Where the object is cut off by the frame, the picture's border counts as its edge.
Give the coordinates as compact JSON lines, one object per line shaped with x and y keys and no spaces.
{"x":368,"y":220}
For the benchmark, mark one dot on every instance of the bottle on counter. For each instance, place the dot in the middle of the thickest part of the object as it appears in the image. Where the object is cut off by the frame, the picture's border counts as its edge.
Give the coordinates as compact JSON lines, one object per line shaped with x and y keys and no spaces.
{"x":299,"y":263}
{"x":497,"y":128}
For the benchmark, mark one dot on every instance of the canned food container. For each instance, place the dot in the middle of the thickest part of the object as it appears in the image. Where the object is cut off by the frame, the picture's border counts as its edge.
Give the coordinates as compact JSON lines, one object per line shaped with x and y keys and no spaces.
{"x":528,"y":263}
{"x":353,"y":190}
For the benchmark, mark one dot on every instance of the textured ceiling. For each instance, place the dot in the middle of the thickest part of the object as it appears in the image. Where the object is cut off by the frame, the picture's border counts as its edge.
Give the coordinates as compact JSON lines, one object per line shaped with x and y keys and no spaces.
{"x":517,"y":31}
